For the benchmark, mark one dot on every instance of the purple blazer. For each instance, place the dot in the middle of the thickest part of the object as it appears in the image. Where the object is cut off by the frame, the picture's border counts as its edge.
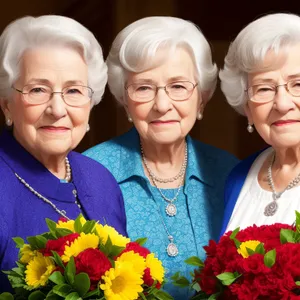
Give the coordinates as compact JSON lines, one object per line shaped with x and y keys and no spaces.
{"x":23,"y":214}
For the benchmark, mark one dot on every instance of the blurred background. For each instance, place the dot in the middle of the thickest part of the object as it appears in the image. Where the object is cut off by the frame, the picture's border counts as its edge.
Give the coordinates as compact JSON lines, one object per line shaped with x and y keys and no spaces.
{"x":220,"y":22}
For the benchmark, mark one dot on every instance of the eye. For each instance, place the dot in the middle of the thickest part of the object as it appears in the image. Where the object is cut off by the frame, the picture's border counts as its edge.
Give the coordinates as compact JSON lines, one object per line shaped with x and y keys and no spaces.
{"x":263,"y":89}
{"x":177,"y":86}
{"x":38,"y":90}
{"x":143,"y":88}
{"x":73,"y":90}
{"x":295,"y":84}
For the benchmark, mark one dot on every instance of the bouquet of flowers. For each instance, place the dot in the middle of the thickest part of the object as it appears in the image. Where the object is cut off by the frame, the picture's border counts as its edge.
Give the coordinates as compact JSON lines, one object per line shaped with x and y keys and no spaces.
{"x":80,"y":259}
{"x":259,"y":262}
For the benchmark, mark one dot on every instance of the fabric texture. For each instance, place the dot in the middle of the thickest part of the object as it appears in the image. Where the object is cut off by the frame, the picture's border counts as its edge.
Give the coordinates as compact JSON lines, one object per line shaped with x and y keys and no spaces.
{"x":199,"y":204}
{"x":23,"y":214}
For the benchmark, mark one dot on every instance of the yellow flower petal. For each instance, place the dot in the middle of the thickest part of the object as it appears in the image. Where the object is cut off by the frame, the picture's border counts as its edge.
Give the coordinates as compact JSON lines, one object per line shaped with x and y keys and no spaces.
{"x":138,"y":262}
{"x":252,"y":244}
{"x":116,"y":238}
{"x":156,"y":268}
{"x":27,"y":254}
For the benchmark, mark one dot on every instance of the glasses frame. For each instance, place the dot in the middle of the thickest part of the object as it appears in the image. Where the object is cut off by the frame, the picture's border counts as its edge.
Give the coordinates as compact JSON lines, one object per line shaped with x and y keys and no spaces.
{"x":165,"y":89}
{"x":275,"y":86}
{"x":51,"y":95}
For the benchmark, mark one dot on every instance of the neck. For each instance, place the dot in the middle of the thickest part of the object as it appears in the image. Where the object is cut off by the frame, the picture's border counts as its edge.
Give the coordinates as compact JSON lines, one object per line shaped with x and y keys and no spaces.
{"x":287,"y":157}
{"x":55,"y":164}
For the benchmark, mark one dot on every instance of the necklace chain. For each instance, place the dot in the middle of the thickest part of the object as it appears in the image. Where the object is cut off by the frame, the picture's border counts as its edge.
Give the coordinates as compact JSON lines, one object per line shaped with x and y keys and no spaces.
{"x":171,"y":209}
{"x":67,"y":178}
{"x":272,"y":207}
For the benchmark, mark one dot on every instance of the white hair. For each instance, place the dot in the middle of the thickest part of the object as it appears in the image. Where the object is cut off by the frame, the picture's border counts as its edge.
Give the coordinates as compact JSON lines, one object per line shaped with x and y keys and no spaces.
{"x":30,"y":32}
{"x":272,"y":32}
{"x":135,"y":48}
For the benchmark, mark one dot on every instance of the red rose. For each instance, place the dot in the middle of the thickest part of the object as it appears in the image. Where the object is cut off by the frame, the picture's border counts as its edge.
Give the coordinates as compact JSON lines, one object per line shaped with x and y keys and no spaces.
{"x":136,"y":248}
{"x":94,"y":263}
{"x":59,"y":244}
{"x":63,"y":219}
{"x":148,"y":280}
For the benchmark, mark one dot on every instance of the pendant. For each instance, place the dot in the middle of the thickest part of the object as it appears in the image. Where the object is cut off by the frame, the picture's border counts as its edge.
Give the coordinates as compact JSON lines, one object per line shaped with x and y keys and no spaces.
{"x":172,"y":249}
{"x":171,"y":210}
{"x":271,"y":209}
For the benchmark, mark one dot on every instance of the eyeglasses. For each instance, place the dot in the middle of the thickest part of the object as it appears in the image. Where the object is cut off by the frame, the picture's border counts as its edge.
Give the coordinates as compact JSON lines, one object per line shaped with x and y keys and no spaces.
{"x":74,"y":95}
{"x":262,"y":93}
{"x":144,"y":92}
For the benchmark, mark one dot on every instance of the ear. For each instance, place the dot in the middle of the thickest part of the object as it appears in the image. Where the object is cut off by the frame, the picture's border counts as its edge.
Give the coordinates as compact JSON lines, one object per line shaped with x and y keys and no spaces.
{"x":5,"y":107}
{"x":203,"y":99}
{"x":248,"y":113}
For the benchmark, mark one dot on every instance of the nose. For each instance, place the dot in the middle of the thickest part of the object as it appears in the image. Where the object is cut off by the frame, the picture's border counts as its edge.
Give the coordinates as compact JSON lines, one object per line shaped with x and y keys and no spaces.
{"x":162,"y":102}
{"x":57,"y":106}
{"x":283,"y":100}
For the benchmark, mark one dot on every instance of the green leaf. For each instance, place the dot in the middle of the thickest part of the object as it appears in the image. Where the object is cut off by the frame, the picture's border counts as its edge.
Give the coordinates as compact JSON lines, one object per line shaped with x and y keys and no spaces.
{"x":250,"y":251}
{"x":233,"y":235}
{"x":142,"y":296}
{"x":37,"y":295}
{"x":214,"y":296}
{"x":88,"y":227}
{"x":175,"y":276}
{"x":37,"y":242}
{"x":297,"y":220}
{"x":57,"y":278}
{"x":161,"y":295}
{"x":141,"y":241}
{"x":260,"y":249}
{"x":82,"y":283}
{"x":77,"y":225}
{"x":181,"y":281}
{"x":60,"y":232}
{"x":73,"y":296}
{"x":62,"y":290}
{"x":270,"y":258}
{"x":116,"y":250}
{"x":92,"y":293}
{"x":194,"y":261}
{"x":297,"y":282}
{"x":19,"y":242}
{"x":6,"y":296}
{"x":227,"y":278}
{"x":287,"y":236}
{"x":70,"y":271}
{"x":58,"y":260}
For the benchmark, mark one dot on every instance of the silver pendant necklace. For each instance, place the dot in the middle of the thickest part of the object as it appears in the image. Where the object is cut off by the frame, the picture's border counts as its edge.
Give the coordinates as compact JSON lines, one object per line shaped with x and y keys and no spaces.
{"x":171,"y":209}
{"x":67,"y":178}
{"x":272,"y":207}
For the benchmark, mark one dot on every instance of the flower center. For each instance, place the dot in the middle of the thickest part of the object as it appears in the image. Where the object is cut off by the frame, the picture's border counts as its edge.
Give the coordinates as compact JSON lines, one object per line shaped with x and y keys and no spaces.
{"x":118,"y":284}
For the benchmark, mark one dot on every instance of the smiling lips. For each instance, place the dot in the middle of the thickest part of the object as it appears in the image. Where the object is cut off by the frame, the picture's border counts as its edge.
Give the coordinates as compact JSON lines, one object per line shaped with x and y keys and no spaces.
{"x":55,"y":128}
{"x":285,"y":122}
{"x":160,"y":122}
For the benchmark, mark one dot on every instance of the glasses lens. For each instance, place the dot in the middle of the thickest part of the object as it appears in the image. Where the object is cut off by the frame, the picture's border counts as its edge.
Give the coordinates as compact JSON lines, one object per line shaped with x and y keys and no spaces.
{"x":37,"y":94}
{"x":180,"y":90}
{"x":77,"y":95}
{"x":262,"y":93}
{"x":141,"y":92}
{"x":294,"y":87}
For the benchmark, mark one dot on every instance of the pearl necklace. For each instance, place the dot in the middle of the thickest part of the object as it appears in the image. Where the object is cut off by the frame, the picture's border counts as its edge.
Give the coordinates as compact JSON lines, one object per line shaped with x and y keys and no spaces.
{"x":67,"y":179}
{"x":272,"y":207}
{"x":171,"y":209}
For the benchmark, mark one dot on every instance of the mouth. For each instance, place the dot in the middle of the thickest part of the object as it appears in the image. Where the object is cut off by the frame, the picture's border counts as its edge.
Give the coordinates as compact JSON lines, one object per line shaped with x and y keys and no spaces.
{"x":164,"y":122}
{"x":55,"y":128}
{"x":285,"y":122}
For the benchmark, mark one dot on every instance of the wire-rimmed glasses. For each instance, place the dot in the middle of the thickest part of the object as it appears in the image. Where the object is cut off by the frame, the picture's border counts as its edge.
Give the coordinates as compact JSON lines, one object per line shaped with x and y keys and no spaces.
{"x":145,"y":92}
{"x":73,"y":95}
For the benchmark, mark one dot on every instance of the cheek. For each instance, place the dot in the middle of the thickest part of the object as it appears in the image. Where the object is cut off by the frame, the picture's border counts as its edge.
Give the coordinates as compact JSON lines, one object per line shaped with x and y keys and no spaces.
{"x":79,"y":117}
{"x":139,"y":111}
{"x":27,"y":115}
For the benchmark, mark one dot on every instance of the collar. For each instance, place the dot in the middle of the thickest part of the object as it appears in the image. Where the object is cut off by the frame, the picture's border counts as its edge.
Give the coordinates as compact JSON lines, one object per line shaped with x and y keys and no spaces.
{"x":20,"y":161}
{"x":200,"y":163}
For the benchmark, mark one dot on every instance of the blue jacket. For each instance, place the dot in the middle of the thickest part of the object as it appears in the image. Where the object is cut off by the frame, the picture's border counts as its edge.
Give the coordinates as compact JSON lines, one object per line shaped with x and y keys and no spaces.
{"x":23,"y":214}
{"x":233,"y":186}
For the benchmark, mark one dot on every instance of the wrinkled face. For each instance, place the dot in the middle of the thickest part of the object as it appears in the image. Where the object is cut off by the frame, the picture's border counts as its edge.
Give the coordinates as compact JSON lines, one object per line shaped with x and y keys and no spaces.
{"x":163,"y":120}
{"x":278,"y":121}
{"x":52,"y":128}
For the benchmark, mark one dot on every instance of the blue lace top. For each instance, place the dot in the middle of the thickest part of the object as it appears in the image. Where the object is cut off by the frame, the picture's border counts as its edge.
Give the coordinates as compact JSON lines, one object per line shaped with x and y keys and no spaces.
{"x":199,"y":204}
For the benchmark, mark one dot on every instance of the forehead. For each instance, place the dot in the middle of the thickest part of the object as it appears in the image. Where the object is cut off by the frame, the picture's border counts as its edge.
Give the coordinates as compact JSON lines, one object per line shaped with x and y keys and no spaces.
{"x":167,"y":64}
{"x":274,"y":66}
{"x":53,"y":63}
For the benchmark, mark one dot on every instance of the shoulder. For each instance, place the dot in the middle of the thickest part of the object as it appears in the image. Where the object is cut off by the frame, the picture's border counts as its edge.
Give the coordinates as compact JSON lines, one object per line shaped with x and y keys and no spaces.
{"x":218,"y":158}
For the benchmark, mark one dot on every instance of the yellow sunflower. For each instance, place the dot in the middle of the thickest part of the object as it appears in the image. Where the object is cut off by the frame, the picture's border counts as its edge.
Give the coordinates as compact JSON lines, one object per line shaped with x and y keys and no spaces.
{"x":156,"y":269}
{"x":38,"y":270}
{"x":252,"y":244}
{"x":121,"y":282}
{"x":27,"y":254}
{"x":138,"y":262}
{"x":116,"y":238}
{"x":84,"y":241}
{"x":69,"y":224}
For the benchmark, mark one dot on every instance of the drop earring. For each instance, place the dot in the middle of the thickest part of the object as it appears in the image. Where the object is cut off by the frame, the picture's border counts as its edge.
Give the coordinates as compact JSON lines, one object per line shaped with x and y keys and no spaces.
{"x":129,"y":119}
{"x":8,"y":122}
{"x":88,"y":127}
{"x":199,"y":116}
{"x":250,"y":128}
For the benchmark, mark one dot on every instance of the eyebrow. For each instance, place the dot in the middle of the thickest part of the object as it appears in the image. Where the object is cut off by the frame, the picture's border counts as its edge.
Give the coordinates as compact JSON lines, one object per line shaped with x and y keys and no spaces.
{"x":269,"y":80}
{"x":48,"y":82}
{"x":151,"y":81}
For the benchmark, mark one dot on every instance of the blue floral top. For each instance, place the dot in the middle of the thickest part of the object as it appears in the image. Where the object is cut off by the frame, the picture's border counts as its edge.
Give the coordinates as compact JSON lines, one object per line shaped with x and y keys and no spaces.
{"x":199,"y":204}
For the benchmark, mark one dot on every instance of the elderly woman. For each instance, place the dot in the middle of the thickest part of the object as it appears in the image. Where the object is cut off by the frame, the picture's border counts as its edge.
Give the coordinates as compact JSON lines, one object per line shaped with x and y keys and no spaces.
{"x":261,"y":80}
{"x":51,"y":74}
{"x":161,"y":71}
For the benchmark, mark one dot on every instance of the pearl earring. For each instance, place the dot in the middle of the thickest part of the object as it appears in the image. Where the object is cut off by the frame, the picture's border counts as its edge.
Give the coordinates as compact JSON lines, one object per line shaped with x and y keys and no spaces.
{"x":199,"y":116}
{"x":8,"y":121}
{"x":250,"y":128}
{"x":88,"y":127}
{"x":129,"y":119}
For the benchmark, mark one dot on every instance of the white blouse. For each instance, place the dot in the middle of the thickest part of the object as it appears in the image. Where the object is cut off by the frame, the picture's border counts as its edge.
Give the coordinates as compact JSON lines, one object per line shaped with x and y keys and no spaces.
{"x":251,"y":203}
